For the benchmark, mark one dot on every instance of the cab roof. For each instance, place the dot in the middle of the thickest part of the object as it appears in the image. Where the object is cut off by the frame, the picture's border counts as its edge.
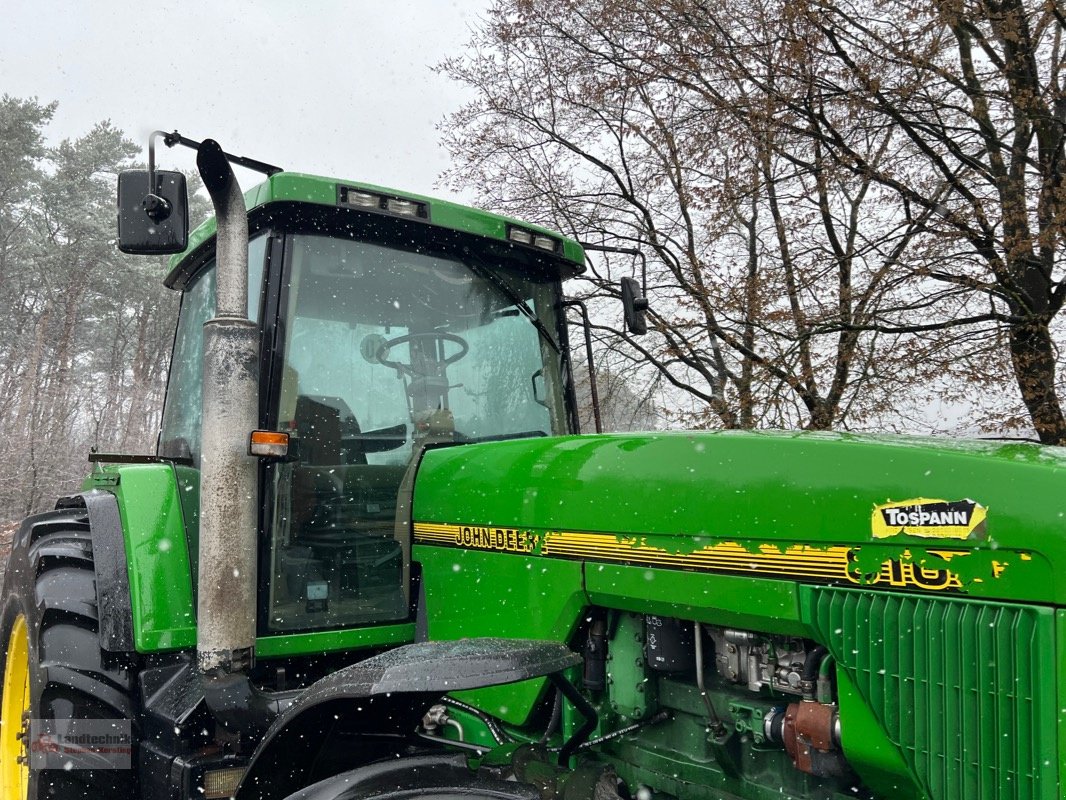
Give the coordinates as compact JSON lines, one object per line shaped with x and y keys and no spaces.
{"x":295,"y":187}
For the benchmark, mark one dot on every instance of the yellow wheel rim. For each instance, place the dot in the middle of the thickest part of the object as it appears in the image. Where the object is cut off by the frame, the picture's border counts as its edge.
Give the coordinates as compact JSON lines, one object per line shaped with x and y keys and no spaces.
{"x":14,"y":762}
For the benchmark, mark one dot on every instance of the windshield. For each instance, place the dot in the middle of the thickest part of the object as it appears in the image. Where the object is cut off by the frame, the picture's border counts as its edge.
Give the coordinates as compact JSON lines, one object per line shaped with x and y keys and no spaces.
{"x":385,"y":350}
{"x":402,"y":337}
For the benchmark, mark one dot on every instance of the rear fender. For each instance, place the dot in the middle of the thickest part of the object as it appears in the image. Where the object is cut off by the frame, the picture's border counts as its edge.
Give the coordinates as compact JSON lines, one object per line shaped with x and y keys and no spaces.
{"x":367,"y":711}
{"x":105,"y":546}
{"x":112,"y":571}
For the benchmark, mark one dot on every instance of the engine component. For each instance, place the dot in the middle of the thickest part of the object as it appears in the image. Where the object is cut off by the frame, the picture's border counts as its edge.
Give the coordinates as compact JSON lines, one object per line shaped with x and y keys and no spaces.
{"x":632,"y":695}
{"x":719,"y":732}
{"x":435,"y":719}
{"x":668,"y":644}
{"x":595,"y":673}
{"x":756,"y":660}
{"x":810,"y":733}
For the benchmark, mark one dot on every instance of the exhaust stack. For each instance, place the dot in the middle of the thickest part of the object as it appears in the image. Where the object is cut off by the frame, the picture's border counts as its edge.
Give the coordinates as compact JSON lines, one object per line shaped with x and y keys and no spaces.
{"x":226,"y":601}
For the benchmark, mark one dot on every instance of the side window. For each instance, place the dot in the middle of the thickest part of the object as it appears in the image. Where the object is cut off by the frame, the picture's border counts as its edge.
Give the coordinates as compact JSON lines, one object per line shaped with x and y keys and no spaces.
{"x":182,"y":411}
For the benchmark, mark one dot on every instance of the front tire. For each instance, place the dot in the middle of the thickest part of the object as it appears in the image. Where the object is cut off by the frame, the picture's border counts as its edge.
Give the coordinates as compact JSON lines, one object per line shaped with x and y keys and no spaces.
{"x":430,"y":777}
{"x":50,"y":607}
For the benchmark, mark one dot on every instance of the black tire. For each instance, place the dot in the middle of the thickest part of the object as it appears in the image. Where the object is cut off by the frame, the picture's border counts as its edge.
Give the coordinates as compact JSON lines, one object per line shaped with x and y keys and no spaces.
{"x":416,"y":778}
{"x":51,"y":583}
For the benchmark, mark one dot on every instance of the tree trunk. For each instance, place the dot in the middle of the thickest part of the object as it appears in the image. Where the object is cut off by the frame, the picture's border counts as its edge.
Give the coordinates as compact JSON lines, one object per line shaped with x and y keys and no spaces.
{"x":1033,"y":358}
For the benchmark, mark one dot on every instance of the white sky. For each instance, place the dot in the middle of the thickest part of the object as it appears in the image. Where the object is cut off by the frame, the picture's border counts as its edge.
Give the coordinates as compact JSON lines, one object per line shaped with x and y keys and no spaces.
{"x":328,"y":87}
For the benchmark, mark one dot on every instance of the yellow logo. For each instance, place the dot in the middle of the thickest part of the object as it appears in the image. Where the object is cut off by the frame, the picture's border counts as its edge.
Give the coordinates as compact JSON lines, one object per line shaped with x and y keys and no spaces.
{"x":932,"y":519}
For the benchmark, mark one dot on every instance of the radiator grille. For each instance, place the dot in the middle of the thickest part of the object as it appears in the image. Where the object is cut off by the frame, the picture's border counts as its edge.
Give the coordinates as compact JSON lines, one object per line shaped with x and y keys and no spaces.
{"x":965,"y":689}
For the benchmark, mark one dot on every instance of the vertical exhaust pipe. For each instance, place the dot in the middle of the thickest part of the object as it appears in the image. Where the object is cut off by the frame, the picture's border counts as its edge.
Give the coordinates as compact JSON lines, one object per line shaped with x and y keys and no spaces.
{"x":226,"y":600}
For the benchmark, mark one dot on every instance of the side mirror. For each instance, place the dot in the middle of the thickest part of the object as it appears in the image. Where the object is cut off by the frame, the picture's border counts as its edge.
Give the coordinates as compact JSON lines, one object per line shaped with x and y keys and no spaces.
{"x":634,"y":307}
{"x":152,"y":221}
{"x":538,"y":387}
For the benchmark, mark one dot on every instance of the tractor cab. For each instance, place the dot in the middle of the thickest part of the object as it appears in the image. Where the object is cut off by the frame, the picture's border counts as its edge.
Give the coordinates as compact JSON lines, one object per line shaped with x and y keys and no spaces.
{"x":382,"y":332}
{"x":331,"y":335}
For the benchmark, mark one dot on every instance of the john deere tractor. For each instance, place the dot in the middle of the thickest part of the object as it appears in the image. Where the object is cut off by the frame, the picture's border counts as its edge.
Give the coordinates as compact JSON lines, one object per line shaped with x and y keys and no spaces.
{"x":373,"y":558}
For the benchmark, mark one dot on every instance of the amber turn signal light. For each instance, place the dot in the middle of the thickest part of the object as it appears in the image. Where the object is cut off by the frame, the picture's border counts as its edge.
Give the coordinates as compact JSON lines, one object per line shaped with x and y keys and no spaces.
{"x":272,"y":444}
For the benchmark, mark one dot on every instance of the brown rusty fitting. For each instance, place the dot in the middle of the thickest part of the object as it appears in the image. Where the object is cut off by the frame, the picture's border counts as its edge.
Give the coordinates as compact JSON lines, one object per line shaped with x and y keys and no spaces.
{"x":809,"y":726}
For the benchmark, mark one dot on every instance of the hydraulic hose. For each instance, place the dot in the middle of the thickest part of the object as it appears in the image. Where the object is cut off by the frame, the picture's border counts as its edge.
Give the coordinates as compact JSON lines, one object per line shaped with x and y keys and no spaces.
{"x":824,"y":691}
{"x":493,"y":727}
{"x":553,"y":721}
{"x":812,"y":663}
{"x":717,"y":726}
{"x":811,"y":666}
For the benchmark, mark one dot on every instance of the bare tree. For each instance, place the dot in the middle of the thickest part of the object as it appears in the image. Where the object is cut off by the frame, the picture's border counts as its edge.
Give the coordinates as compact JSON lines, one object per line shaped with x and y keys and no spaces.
{"x":972,"y":96}
{"x":769,"y":263}
{"x":851,"y":207}
{"x":86,"y":330}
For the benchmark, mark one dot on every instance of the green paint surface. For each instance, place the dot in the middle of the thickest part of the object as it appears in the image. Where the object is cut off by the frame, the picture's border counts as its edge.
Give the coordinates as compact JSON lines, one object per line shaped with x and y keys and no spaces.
{"x":154,"y":501}
{"x":1060,"y":661}
{"x":945,"y":648}
{"x":477,"y":594}
{"x":298,"y":644}
{"x":297,"y":187}
{"x":959,"y":687}
{"x":730,"y":600}
{"x":161,"y":592}
{"x":866,"y":744}
{"x":678,"y":494}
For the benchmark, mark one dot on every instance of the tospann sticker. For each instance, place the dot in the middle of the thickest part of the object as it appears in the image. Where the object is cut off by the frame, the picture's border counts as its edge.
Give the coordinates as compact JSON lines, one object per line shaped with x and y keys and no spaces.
{"x":933,"y":519}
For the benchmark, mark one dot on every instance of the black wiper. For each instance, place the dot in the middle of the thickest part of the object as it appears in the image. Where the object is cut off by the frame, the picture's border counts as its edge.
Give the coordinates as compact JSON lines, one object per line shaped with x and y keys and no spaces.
{"x":484,"y":271}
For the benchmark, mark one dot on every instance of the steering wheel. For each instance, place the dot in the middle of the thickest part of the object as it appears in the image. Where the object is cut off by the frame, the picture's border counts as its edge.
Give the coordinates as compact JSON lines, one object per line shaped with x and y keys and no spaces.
{"x":434,"y":336}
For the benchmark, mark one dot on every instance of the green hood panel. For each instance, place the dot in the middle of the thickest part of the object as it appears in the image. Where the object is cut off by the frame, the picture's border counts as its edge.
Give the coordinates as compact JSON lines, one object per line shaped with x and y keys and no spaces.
{"x":157,"y":553}
{"x":794,"y":506}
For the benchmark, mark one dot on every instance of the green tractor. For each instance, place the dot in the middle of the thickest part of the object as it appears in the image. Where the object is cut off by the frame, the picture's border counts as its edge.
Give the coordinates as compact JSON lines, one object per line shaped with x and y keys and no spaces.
{"x":372,"y":558}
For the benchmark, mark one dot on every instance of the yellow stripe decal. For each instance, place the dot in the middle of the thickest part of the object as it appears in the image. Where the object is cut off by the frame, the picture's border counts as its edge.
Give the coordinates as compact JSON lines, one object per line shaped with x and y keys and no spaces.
{"x":834,"y":564}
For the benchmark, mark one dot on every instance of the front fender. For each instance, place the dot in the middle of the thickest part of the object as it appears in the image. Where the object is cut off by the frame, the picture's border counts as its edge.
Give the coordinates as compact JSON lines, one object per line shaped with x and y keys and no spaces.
{"x":378,"y":702}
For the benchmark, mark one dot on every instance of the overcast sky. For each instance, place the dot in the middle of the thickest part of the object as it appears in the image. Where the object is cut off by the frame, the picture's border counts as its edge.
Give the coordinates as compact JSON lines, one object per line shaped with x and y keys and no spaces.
{"x":329,"y":87}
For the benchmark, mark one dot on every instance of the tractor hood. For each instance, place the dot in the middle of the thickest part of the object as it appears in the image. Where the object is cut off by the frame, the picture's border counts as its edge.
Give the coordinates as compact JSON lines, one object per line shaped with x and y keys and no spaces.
{"x":978,"y":518}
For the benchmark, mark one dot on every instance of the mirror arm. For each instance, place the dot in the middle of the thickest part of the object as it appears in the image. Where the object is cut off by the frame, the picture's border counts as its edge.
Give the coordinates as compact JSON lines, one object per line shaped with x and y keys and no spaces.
{"x":627,"y":251}
{"x":578,"y":304}
{"x":156,"y":207}
{"x":151,"y":159}
{"x":174,"y":138}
